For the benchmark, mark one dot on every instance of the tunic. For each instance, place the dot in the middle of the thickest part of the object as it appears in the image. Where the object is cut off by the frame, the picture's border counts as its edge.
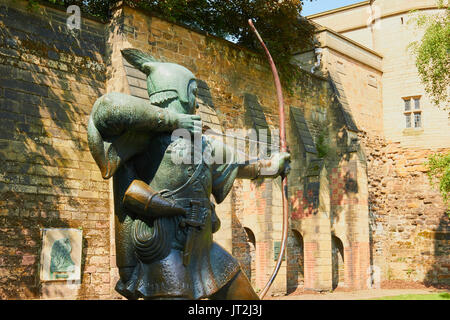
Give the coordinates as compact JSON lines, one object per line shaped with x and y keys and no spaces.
{"x":125,"y":147}
{"x":155,"y":247}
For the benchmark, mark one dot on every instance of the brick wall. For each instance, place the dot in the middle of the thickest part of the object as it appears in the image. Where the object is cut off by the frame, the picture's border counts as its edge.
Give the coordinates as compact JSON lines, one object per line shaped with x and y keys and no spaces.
{"x":230,"y":72}
{"x":49,"y":79}
{"x":49,"y":178}
{"x":296,"y":262}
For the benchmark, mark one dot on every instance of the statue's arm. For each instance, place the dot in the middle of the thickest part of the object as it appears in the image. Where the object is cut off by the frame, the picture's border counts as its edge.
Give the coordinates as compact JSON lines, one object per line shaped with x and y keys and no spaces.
{"x":120,"y":126}
{"x":249,"y":171}
{"x":143,"y":200}
{"x":227,"y":168}
{"x":264,"y":168}
{"x":115,"y":112}
{"x":253,"y":169}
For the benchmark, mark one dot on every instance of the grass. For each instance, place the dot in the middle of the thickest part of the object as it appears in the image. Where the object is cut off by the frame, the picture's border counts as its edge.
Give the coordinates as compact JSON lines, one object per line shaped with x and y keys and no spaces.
{"x":433,"y":296}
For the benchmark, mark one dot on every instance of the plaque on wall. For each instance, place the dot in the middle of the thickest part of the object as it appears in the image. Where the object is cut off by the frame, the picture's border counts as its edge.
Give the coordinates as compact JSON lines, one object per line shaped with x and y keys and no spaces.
{"x":61,"y":254}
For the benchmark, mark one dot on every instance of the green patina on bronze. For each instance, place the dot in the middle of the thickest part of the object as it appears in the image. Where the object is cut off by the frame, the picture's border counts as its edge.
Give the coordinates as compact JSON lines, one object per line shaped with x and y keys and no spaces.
{"x":164,"y":219}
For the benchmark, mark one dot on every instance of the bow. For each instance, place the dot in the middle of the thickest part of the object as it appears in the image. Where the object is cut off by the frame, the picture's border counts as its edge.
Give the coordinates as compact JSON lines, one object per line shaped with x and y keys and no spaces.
{"x":283,"y":146}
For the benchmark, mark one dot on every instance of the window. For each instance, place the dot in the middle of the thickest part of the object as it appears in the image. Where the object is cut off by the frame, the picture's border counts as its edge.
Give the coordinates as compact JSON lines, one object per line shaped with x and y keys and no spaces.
{"x":407,"y":105}
{"x":412,"y":112}
{"x":417,"y":103}
{"x":408,"y":120}
{"x":417,"y":120}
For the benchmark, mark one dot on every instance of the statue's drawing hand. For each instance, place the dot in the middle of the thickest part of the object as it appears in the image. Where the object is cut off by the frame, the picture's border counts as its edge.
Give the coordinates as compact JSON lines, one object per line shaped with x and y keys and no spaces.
{"x":284,"y":159}
{"x":190,"y":122}
{"x":278,"y":165}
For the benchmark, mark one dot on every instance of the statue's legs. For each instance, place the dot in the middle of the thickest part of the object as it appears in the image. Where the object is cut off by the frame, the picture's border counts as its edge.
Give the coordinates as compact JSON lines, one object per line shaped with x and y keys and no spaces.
{"x":238,"y":288}
{"x":168,"y":298}
{"x":125,"y":274}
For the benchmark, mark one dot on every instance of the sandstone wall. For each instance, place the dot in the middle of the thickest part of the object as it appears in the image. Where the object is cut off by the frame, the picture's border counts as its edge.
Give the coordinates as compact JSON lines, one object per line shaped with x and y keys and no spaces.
{"x":230,"y":73}
{"x":386,"y":27}
{"x":50,"y":179}
{"x":409,"y":222}
{"x":49,"y":79}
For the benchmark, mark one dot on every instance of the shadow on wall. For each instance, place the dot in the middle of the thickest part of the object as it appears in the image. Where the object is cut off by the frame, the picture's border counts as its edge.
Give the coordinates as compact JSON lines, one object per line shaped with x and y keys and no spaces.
{"x":337,"y":256}
{"x":244,"y":242}
{"x":439,"y":275}
{"x":251,"y":270}
{"x":49,"y":79}
{"x":295,"y":262}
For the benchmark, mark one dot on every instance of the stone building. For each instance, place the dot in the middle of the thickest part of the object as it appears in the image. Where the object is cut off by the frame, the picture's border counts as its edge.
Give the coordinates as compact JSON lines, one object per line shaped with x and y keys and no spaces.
{"x":361,"y":207}
{"x":364,"y":51}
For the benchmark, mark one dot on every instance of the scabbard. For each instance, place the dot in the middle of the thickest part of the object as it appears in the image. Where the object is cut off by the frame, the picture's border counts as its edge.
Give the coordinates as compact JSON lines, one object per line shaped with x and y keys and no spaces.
{"x":190,"y":239}
{"x":192,"y":225}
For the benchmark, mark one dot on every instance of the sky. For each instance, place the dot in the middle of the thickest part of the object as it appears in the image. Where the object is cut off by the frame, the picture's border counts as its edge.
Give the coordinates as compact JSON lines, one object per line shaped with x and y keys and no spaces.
{"x":317,"y":6}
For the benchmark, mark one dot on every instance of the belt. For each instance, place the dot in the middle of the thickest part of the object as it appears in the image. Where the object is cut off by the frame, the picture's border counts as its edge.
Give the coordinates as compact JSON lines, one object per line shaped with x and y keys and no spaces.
{"x":187,"y":202}
{"x":194,"y":222}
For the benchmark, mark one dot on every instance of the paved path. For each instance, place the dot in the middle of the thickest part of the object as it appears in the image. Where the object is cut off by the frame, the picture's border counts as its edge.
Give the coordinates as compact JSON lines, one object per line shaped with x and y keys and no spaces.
{"x":358,"y":295}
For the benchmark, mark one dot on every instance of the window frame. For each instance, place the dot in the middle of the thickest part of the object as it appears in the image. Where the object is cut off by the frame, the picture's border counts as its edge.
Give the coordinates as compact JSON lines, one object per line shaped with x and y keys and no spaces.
{"x":412,"y":111}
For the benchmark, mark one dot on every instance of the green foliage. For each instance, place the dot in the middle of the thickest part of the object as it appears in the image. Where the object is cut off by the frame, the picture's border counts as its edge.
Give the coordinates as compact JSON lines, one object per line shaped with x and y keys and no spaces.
{"x":439,"y":171}
{"x":321,"y":144}
{"x":278,"y":22}
{"x":431,"y":296}
{"x":432,"y":54}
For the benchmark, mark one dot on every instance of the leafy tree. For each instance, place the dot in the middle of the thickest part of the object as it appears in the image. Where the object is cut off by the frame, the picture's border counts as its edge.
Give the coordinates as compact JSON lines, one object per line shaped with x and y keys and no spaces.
{"x":278,"y":22}
{"x":432,"y":55}
{"x":439,"y":172}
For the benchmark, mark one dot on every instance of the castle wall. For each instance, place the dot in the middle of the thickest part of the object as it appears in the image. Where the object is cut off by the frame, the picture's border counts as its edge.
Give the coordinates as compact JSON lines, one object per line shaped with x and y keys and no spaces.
{"x":389,"y":32}
{"x":409,"y":226}
{"x":361,"y":15}
{"x":355,"y":73}
{"x":401,"y":80}
{"x":409,"y":223}
{"x":51,"y":180}
{"x":230,"y":72}
{"x":49,"y":80}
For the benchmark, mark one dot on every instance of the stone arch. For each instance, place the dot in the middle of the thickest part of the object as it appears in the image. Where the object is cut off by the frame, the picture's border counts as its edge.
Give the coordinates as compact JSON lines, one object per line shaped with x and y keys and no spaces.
{"x":337,"y":256}
{"x":295,"y":261}
{"x":250,"y":268}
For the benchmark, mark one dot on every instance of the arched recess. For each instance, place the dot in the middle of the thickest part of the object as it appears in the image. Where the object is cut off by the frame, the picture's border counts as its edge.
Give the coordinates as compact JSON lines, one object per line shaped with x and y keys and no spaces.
{"x":295,"y":262}
{"x":250,"y":268}
{"x":337,"y":255}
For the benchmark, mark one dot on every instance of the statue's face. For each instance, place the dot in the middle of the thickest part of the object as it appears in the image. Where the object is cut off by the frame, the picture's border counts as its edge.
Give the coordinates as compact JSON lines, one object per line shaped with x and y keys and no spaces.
{"x":192,"y":96}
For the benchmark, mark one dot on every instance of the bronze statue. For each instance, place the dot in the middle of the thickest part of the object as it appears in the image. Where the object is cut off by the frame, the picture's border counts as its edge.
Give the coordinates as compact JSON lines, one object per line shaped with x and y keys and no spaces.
{"x":164,"y":219}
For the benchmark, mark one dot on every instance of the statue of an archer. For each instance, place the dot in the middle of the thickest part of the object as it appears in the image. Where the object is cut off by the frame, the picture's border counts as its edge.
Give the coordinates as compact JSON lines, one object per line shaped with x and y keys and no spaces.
{"x":164,"y":219}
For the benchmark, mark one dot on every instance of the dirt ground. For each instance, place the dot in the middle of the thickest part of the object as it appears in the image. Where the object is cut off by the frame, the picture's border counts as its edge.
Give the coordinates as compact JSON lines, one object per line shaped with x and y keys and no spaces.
{"x":387,"y":288}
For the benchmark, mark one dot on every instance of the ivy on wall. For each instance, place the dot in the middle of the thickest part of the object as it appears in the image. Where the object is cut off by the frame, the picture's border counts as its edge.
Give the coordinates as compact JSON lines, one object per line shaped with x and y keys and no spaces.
{"x":439,"y":173}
